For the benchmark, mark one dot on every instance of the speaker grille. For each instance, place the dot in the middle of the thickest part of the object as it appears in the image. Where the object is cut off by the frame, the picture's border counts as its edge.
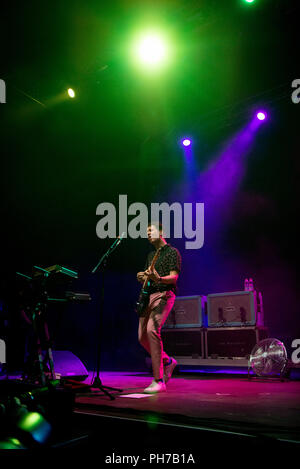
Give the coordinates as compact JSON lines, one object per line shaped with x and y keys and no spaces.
{"x":186,"y":312}
{"x":231,"y":309}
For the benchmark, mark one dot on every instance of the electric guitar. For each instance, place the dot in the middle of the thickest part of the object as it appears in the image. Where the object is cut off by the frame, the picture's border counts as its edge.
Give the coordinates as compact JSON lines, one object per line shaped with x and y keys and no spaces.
{"x":143,"y":300}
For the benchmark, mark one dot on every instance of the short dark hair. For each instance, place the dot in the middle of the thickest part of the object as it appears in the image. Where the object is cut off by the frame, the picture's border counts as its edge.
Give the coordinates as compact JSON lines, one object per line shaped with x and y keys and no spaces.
{"x":157,"y":225}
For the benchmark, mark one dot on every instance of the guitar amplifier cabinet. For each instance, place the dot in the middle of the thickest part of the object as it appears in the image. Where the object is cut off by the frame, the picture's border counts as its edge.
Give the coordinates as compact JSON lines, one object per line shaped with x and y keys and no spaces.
{"x":233,"y":342}
{"x":184,"y":342}
{"x":187,"y":312}
{"x":233,"y":309}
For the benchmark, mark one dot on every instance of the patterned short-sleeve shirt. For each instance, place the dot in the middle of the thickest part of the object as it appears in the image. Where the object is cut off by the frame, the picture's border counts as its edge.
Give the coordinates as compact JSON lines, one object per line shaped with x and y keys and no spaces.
{"x":169,"y":259}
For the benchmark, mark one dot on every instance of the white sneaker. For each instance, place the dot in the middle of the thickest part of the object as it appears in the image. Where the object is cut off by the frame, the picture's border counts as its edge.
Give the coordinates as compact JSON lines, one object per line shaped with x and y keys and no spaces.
{"x":155,"y":387}
{"x":168,"y":370}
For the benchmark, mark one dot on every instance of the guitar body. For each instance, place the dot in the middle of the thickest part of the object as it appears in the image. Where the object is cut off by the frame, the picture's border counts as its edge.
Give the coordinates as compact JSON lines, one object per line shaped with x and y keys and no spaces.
{"x":143,"y":300}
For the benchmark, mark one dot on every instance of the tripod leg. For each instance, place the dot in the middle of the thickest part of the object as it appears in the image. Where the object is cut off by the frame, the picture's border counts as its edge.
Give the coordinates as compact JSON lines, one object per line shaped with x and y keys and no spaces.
{"x":98,"y":384}
{"x":112,"y":389}
{"x":50,"y":355}
{"x":39,"y":350}
{"x":101,"y":388}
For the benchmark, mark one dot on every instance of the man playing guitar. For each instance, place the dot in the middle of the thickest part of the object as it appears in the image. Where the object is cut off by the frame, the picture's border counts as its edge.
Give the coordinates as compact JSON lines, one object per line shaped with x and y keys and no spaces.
{"x":162,"y":292}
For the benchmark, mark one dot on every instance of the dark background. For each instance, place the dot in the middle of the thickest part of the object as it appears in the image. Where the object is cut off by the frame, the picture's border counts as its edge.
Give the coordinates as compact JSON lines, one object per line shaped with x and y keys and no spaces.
{"x":61,"y":158}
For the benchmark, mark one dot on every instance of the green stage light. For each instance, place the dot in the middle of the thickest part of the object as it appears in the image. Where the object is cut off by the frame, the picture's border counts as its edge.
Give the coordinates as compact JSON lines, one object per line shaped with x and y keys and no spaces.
{"x":11,"y":443}
{"x":34,"y":424}
{"x":151,"y":50}
{"x":249,"y":1}
{"x":71,"y":93}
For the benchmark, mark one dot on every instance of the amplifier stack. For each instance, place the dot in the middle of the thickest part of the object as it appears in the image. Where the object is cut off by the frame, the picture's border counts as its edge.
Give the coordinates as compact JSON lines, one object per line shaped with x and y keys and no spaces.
{"x":182,"y":333}
{"x":202,"y":328}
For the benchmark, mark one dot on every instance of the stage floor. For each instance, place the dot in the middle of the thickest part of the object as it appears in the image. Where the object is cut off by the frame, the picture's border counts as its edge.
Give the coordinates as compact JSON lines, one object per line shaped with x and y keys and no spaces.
{"x":233,"y":404}
{"x":199,"y":413}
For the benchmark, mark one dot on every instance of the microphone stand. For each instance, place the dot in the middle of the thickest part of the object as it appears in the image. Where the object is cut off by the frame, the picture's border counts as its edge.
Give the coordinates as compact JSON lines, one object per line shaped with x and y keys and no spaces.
{"x":102,"y":264}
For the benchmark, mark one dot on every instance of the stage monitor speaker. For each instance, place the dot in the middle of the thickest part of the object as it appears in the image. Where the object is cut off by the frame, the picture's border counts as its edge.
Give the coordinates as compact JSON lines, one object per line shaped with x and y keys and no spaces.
{"x":187,"y":312}
{"x":233,"y":342}
{"x":231,"y":309}
{"x":183,"y":342}
{"x":67,"y":365}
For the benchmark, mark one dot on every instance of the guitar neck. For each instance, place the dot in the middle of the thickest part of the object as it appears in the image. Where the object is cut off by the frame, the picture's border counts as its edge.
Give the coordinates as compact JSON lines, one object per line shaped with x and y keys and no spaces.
{"x":152,"y":266}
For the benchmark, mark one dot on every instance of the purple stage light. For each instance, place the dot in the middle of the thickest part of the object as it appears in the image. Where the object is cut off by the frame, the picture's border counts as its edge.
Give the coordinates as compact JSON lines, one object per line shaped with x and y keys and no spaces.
{"x":186,"y":142}
{"x":261,"y":115}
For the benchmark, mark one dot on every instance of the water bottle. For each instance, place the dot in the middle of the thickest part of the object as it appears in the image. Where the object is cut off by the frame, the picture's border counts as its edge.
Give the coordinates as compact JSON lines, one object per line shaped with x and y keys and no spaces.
{"x":251,"y":286}
{"x":246,"y":284}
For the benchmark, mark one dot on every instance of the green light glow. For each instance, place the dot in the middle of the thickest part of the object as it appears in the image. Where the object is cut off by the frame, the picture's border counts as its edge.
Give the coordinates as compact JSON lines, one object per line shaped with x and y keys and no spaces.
{"x":152,"y":420}
{"x":31,"y":421}
{"x":11,"y":443}
{"x":71,"y":93}
{"x":15,"y":442}
{"x":151,"y":50}
{"x":35,"y":424}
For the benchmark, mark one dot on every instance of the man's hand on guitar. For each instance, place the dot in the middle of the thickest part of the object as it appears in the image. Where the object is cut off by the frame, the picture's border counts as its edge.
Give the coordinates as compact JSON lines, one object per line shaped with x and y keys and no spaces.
{"x":152,"y":275}
{"x":141,"y":277}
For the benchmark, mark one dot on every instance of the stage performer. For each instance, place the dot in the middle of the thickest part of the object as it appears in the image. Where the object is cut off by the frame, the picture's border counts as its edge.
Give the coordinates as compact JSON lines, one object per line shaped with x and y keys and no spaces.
{"x":162,"y":292}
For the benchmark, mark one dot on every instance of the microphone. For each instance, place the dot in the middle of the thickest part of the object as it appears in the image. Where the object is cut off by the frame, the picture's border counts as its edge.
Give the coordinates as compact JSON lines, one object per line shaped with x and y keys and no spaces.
{"x":117,"y":241}
{"x":120,"y":238}
{"x":110,"y":250}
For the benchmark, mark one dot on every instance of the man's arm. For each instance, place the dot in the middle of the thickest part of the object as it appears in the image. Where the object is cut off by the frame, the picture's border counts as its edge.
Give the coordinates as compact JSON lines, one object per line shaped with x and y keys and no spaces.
{"x":167,"y":279}
{"x":171,"y":278}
